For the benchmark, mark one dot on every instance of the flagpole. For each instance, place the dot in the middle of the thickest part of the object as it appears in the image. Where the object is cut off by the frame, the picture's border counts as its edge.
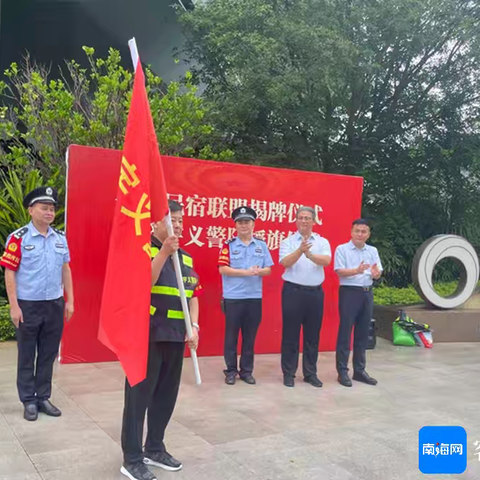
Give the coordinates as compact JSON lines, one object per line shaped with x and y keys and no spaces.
{"x":183,"y":298}
{"x":176,"y":261}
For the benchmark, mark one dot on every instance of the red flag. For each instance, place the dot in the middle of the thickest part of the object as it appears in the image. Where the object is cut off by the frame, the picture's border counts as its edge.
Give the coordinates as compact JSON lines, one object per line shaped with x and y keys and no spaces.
{"x":141,"y":199}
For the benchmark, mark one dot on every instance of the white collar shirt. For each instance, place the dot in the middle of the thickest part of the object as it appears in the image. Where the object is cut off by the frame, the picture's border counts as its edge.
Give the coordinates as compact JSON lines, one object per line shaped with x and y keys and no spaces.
{"x":304,"y":271}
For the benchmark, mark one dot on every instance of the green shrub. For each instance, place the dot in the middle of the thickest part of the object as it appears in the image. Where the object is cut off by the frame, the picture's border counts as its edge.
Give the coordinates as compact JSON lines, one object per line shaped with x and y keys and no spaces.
{"x":396,"y":296}
{"x":7,"y":330}
{"x":408,"y":296}
{"x":445,"y":289}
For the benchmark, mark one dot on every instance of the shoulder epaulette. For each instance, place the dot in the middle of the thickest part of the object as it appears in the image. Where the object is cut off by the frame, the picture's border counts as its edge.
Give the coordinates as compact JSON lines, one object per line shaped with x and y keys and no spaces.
{"x":60,"y":232}
{"x":230,"y":240}
{"x":20,"y":232}
{"x":259,"y":239}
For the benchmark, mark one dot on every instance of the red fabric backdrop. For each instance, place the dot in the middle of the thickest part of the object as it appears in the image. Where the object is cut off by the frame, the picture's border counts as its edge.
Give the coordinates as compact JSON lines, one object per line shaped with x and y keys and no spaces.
{"x":209,"y":191}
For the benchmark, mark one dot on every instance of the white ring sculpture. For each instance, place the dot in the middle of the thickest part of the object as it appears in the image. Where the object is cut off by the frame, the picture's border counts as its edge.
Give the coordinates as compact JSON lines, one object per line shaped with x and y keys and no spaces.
{"x":427,"y":257}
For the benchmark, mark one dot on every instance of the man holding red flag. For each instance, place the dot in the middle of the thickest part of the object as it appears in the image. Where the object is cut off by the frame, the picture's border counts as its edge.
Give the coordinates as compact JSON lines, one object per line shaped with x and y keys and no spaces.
{"x":158,"y":392}
{"x":151,"y":357}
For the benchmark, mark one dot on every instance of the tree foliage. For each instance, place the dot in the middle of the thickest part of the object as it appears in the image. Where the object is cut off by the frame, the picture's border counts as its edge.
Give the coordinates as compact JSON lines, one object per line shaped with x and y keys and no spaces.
{"x":386,"y":89}
{"x":42,"y":115}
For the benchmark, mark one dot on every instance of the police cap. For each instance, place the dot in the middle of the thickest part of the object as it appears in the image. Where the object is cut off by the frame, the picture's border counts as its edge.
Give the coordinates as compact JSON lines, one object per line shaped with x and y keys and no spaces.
{"x":244,"y":213}
{"x":42,"y":195}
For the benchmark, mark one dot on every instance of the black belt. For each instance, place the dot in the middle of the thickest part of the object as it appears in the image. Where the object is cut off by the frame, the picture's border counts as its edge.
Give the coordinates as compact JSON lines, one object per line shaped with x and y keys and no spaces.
{"x":304,"y":287}
{"x":362,"y":289}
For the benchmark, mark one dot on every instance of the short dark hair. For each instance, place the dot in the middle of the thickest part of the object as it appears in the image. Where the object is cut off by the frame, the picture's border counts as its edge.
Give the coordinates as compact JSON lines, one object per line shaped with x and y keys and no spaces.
{"x":174,"y":206}
{"x":305,"y":208}
{"x":360,"y":221}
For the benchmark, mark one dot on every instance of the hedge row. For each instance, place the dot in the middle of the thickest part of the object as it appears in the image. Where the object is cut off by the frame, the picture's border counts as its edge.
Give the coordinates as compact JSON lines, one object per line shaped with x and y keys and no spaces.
{"x":408,"y":296}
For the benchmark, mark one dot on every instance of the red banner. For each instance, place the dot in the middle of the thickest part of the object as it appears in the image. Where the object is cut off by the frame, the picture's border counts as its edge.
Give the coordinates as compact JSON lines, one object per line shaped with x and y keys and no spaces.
{"x":209,"y":191}
{"x":141,"y":200}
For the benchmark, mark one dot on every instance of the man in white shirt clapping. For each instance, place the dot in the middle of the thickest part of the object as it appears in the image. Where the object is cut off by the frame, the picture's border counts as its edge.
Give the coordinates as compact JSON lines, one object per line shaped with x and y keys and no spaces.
{"x":357,"y":264}
{"x":303,"y":254}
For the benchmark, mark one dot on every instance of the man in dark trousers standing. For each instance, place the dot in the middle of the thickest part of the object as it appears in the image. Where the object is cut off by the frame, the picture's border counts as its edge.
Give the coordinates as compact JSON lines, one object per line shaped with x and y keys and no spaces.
{"x":303,"y":254}
{"x":36,"y":261}
{"x":243,"y":261}
{"x":357,"y":264}
{"x":158,"y":392}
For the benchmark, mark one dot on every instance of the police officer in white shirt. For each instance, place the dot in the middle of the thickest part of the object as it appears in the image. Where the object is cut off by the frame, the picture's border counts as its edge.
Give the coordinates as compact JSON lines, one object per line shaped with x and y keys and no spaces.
{"x":303,"y":254}
{"x":357,"y":264}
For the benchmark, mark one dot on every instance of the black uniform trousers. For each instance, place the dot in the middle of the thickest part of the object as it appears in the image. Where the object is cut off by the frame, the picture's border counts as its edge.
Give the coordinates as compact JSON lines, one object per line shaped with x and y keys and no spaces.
{"x":356,"y":309}
{"x":157,"y":394}
{"x":301,"y":306}
{"x":38,"y":339}
{"x":244,"y":315}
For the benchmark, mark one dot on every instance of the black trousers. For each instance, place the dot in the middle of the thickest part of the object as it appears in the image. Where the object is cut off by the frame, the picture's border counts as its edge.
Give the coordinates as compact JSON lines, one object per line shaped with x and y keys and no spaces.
{"x":157,"y":394}
{"x":301,"y":306}
{"x":38,"y":339}
{"x":244,"y":315}
{"x":356,"y":309}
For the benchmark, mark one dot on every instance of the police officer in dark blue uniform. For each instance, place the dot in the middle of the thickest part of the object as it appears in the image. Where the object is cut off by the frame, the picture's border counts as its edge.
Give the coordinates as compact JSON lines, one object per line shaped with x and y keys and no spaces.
{"x":36,"y":261}
{"x":243,"y":261}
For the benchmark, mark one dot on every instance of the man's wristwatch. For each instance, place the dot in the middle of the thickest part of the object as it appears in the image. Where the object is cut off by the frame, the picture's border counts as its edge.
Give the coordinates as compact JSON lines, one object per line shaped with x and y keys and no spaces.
{"x":197,"y":326}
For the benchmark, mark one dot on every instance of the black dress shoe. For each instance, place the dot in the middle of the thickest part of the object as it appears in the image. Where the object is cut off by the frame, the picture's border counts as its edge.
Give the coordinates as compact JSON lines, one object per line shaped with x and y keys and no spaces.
{"x":313,"y":380}
{"x":364,"y":377}
{"x":288,"y":381}
{"x":248,"y":379}
{"x":230,"y":379}
{"x":48,"y":409}
{"x":31,"y":412}
{"x":344,"y":379}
